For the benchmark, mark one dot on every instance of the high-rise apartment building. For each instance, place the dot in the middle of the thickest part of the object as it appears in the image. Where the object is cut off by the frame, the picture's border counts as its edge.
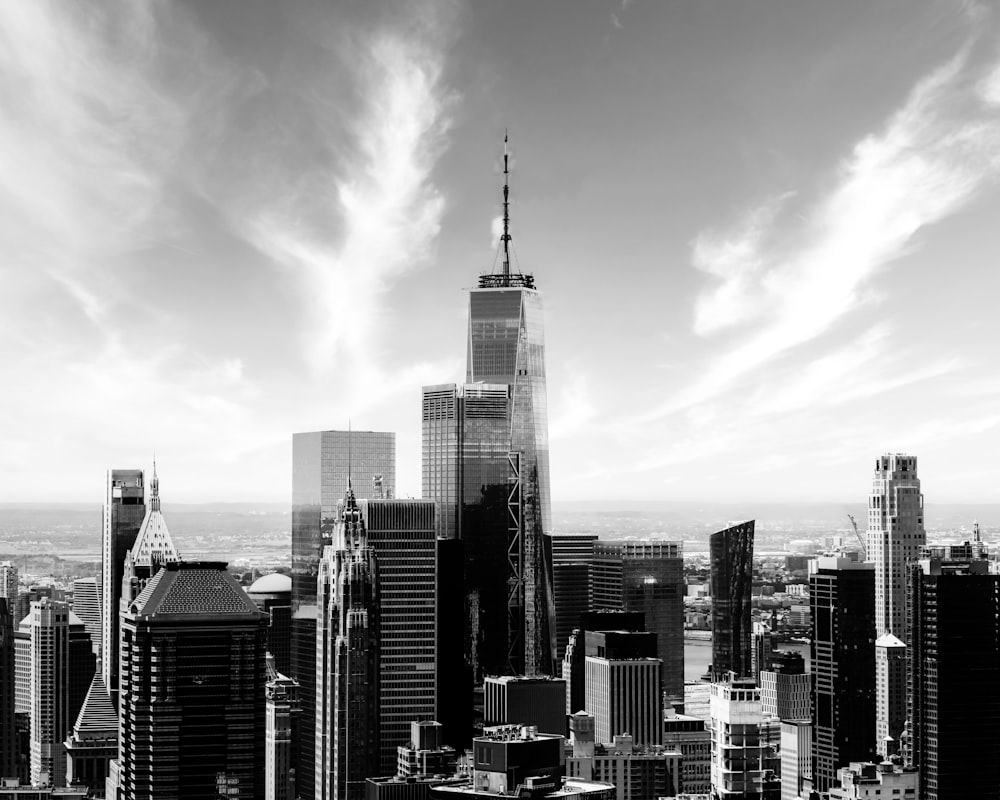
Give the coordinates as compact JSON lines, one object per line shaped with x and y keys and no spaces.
{"x":347,"y":660}
{"x":8,"y":748}
{"x":731,"y":563}
{"x":761,"y":646}
{"x":953,"y":669}
{"x":193,"y":689}
{"x":842,"y":600}
{"x":506,"y":358}
{"x":890,"y":693}
{"x":895,"y":537}
{"x":9,"y":584}
{"x":323,"y":462}
{"x":124,"y":511}
{"x":742,"y":765}
{"x":87,"y":606}
{"x":62,"y":666}
{"x":648,"y":576}
{"x":796,"y":757}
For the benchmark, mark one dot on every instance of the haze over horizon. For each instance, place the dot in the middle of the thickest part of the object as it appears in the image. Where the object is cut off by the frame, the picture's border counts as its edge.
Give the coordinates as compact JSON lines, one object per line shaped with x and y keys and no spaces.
{"x":765,"y":235}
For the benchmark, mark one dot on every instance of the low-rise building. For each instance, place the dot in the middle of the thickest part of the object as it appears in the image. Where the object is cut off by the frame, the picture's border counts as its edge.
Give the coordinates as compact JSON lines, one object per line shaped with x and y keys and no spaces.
{"x":885,"y":780}
{"x":692,"y":739}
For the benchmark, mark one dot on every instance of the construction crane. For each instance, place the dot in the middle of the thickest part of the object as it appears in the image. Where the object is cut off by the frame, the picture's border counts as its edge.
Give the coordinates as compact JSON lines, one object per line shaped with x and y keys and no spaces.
{"x":857,"y":532}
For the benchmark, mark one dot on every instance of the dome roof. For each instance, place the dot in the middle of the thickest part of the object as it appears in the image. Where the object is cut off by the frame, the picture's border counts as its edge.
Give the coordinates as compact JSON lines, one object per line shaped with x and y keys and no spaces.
{"x":275,"y":583}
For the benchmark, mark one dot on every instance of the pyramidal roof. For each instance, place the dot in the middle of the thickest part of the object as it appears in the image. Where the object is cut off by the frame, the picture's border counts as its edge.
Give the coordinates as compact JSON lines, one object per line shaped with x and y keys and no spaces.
{"x":97,"y":718}
{"x":888,"y":640}
{"x":194,"y":588}
{"x":153,"y":544}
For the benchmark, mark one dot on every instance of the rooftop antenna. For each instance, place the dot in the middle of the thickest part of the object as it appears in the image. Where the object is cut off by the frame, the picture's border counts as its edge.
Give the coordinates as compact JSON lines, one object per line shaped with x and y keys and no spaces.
{"x":506,"y":213}
{"x":154,"y":485}
{"x":349,"y":488}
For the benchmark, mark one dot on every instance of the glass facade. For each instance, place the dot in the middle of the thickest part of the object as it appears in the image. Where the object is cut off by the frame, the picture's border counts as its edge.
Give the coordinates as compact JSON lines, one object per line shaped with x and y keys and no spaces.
{"x":731,"y":557}
{"x":321,"y":464}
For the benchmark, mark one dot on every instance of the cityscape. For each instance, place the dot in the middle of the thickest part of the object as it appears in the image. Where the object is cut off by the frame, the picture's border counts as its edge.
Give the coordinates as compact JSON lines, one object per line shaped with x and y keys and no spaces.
{"x":475,"y":576}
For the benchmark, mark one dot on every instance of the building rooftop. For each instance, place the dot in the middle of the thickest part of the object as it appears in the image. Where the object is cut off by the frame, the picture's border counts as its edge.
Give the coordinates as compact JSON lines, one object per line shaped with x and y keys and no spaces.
{"x":275,"y":583}
{"x":193,"y":588}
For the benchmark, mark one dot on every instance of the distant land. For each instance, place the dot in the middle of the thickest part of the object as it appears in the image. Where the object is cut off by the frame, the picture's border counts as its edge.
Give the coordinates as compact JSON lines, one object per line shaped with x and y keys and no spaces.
{"x":260,"y":533}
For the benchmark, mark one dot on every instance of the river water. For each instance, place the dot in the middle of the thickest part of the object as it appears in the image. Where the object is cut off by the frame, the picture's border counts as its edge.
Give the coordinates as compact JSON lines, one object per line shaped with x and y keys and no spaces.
{"x":697,"y":657}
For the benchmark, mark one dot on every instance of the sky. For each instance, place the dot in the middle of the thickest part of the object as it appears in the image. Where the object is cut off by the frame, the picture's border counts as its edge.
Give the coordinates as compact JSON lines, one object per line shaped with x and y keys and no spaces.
{"x":766,"y":234}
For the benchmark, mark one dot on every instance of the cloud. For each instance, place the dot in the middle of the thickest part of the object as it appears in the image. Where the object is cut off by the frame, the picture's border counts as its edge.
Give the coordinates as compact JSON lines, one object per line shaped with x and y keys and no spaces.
{"x":783,"y":286}
{"x":388,"y":209}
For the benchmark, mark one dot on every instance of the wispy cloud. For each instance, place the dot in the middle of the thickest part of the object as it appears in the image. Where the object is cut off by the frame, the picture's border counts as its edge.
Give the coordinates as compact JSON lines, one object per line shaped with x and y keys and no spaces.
{"x":782,"y":281}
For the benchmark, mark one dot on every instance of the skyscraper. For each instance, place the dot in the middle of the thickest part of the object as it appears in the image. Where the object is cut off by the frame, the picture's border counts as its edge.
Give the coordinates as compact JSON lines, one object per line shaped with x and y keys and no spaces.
{"x":731,"y":561}
{"x":282,"y":705}
{"x":890,"y":693}
{"x":786,"y":687}
{"x":623,"y":688}
{"x":743,"y":767}
{"x":124,"y":511}
{"x":8,"y":585}
{"x":572,"y":584}
{"x":193,"y":686}
{"x":272,"y":594}
{"x":954,"y":693}
{"x":62,"y":667}
{"x":322,"y":462}
{"x":87,"y":606}
{"x":895,"y":537}
{"x":842,"y":601}
{"x":8,"y":750}
{"x":648,"y":576}
{"x":506,"y":358}
{"x":347,"y":660}
{"x":93,"y":744}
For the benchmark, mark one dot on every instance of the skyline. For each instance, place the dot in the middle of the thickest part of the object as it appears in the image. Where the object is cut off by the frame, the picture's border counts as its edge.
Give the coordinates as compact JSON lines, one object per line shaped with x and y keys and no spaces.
{"x":224,"y":227}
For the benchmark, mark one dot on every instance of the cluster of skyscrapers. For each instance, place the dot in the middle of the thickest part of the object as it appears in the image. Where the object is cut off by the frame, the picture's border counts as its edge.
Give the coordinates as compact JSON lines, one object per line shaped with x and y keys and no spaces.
{"x":411,"y":631}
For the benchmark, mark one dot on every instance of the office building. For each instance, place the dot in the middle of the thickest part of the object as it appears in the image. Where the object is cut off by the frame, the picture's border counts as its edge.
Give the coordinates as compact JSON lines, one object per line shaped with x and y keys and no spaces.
{"x":623,"y":687}
{"x":647,"y":576}
{"x":954,"y":693}
{"x":890,"y":693}
{"x":842,"y":599}
{"x":347,"y":660}
{"x":731,"y":564}
{"x":517,"y":761}
{"x":272,"y":594}
{"x":884,"y":780}
{"x":692,"y":739}
{"x":572,"y":563}
{"x":62,"y":666}
{"x":8,"y":584}
{"x":574,"y":659}
{"x":124,"y":511}
{"x":192,"y":689}
{"x":796,"y":757}
{"x":87,"y":607}
{"x":538,"y":702}
{"x":786,"y":687}
{"x":93,"y":743}
{"x":895,"y":537}
{"x":281,"y":705}
{"x":742,"y":765}
{"x":8,"y":735}
{"x":492,"y":479}
{"x":322,"y":464}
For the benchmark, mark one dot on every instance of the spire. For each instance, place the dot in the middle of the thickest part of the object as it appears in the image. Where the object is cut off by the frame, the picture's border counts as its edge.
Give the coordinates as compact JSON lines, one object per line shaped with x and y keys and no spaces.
{"x":154,"y":488}
{"x":506,"y":212}
{"x":350,"y":489}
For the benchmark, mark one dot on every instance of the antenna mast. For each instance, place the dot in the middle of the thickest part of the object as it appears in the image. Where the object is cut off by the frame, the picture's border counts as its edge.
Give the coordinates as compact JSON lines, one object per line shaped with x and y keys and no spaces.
{"x":506,"y":214}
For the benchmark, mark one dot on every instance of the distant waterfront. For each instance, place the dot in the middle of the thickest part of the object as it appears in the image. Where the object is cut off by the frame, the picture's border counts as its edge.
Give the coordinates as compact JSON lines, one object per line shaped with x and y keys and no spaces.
{"x":698,"y":655}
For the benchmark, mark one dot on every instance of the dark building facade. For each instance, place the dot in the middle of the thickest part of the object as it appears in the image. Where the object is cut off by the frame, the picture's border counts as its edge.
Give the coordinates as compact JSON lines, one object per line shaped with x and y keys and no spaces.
{"x":8,"y":737}
{"x":322,"y":464}
{"x":648,"y":576}
{"x":193,"y":689}
{"x":731,"y":558}
{"x":572,"y":565}
{"x":124,"y":511}
{"x":272,"y":594}
{"x":842,"y":601}
{"x":952,"y":682}
{"x":575,"y":657}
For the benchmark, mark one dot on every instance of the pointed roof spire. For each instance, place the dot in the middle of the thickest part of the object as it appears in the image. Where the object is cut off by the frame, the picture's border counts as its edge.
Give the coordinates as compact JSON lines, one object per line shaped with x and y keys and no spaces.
{"x":154,"y":488}
{"x":506,"y":210}
{"x":350,"y":489}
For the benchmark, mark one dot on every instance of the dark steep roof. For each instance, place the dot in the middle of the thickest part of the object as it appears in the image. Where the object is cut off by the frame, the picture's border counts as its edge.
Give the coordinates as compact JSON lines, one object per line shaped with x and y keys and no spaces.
{"x":194,"y":588}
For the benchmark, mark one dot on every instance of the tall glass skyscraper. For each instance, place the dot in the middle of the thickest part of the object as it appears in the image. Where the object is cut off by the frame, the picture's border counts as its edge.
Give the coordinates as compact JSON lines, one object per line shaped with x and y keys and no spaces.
{"x":731,"y":557}
{"x":486,"y":462}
